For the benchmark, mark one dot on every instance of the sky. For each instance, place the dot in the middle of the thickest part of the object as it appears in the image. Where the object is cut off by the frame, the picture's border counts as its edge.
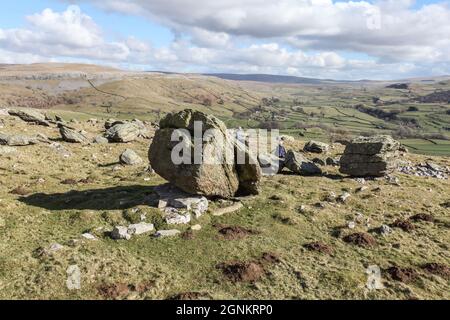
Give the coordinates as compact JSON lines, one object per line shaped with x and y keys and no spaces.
{"x":348,"y":40}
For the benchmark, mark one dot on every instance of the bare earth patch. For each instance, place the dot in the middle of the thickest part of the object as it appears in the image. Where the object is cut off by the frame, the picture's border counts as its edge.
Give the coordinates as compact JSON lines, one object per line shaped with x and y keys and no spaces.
{"x":422,"y":217}
{"x":238,"y":271}
{"x":361,"y":239}
{"x":405,"y":225}
{"x":404,"y":275}
{"x":319,"y":247}
{"x":113,"y":291}
{"x":437,"y":269}
{"x":235,"y":232}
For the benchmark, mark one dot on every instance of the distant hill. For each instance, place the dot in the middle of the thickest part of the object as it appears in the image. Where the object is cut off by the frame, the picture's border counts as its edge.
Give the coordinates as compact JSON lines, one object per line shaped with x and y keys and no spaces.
{"x":269,"y":78}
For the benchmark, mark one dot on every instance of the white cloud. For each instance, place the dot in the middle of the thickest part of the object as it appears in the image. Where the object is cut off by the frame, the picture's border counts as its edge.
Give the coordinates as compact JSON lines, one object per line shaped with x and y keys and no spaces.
{"x":297,"y":37}
{"x":67,"y":34}
{"x":388,"y":29}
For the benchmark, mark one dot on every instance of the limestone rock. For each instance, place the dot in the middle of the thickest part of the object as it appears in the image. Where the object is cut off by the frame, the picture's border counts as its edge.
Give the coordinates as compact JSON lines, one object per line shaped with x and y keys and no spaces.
{"x":129,"y":157}
{"x":370,"y":156}
{"x":316,"y":147}
{"x":30,"y":115}
{"x":123,"y":132}
{"x":300,"y":165}
{"x":69,"y":134}
{"x":120,"y":233}
{"x":100,"y":140}
{"x":140,"y":228}
{"x":217,"y":174}
{"x":167,"y":233}
{"x":17,"y":140}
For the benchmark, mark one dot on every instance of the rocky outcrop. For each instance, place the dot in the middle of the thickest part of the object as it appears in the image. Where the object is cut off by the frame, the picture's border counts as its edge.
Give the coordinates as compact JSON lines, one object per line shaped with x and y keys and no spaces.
{"x":316,"y":147}
{"x":300,"y":165}
{"x":217,"y":174}
{"x":370,"y":156}
{"x":30,"y":115}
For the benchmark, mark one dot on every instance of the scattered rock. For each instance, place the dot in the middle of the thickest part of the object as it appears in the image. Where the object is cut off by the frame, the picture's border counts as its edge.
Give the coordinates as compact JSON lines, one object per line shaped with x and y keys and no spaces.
{"x":405,"y":225}
{"x":174,"y":200}
{"x":140,"y":228}
{"x":316,"y":147}
{"x":351,"y":225}
{"x":167,"y":233}
{"x":438,"y":269}
{"x":330,"y":197}
{"x":100,"y":140}
{"x":370,"y":156}
{"x":238,"y":271}
{"x":319,"y":247}
{"x":360,"y":239}
{"x":384,"y":230}
{"x":216,"y":175}
{"x":196,"y":227}
{"x":361,"y":189}
{"x":89,"y":236}
{"x":17,"y":140}
{"x":343,"y":197}
{"x":300,"y":165}
{"x":30,"y":115}
{"x":176,"y":218}
{"x":120,"y":233}
{"x":123,"y":133}
{"x":332,"y":162}
{"x":71,"y":135}
{"x":129,"y":157}
{"x":404,"y":275}
{"x":427,"y":169}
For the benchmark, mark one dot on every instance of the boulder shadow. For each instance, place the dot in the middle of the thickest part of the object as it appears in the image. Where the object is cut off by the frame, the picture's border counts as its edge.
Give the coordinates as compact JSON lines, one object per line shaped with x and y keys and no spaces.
{"x":115,"y":198}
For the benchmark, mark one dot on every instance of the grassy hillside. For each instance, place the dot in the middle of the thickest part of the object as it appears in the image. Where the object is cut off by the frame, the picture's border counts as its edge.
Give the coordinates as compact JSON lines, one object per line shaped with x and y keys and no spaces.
{"x":46,"y":198}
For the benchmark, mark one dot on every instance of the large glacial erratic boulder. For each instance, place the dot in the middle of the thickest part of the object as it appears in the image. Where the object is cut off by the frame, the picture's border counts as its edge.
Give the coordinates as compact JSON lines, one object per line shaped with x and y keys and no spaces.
{"x":217,"y":174}
{"x":370,"y":156}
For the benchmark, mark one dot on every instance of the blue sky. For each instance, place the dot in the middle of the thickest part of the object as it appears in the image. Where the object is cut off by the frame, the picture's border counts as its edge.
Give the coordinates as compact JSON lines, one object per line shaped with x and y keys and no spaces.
{"x":323,"y":38}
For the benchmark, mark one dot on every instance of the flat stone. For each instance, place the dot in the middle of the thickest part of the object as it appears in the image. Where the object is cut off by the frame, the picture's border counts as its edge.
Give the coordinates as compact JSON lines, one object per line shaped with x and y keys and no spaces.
{"x":140,"y":228}
{"x":89,"y":236}
{"x":167,"y":233}
{"x":196,"y":227}
{"x":175,"y":218}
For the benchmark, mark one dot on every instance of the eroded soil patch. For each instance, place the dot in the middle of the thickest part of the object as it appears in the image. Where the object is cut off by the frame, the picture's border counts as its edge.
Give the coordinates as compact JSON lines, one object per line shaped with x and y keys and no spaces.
{"x":361,"y":239}
{"x":319,"y":247}
{"x":404,"y":275}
